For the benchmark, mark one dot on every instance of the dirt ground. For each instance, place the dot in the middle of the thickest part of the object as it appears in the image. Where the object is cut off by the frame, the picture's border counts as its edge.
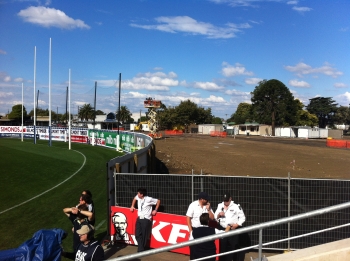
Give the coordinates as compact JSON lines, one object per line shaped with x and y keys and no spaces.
{"x":252,"y":156}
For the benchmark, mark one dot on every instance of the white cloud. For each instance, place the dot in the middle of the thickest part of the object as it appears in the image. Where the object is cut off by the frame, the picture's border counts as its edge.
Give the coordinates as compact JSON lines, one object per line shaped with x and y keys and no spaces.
{"x":186,"y":24}
{"x":253,"y":81}
{"x":158,"y":81}
{"x":2,"y":52}
{"x":50,"y":17}
{"x":292,"y":2}
{"x":303,"y":69}
{"x":208,"y":86}
{"x":343,"y":99}
{"x":234,"y":92}
{"x":6,"y":94}
{"x":7,"y":79}
{"x":18,"y":80}
{"x":340,"y":85}
{"x":301,"y":9}
{"x":299,"y":84}
{"x":229,"y":70}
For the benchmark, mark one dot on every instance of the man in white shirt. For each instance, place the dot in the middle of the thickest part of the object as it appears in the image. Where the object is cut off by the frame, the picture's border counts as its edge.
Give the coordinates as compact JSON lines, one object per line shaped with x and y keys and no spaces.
{"x":195,"y":210}
{"x":229,"y":216}
{"x":144,"y":221}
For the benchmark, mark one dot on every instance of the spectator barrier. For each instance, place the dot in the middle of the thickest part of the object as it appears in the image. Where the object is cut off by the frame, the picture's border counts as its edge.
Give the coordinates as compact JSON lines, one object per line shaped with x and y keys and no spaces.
{"x":222,"y":134}
{"x":173,"y":132}
{"x":338,"y":143}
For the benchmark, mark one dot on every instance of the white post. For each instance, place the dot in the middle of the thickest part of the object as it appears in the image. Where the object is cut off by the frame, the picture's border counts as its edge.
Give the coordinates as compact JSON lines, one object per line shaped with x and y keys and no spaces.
{"x":22,"y":114}
{"x":50,"y":95}
{"x":69,"y":117}
{"x":34,"y":108}
{"x":93,"y":139}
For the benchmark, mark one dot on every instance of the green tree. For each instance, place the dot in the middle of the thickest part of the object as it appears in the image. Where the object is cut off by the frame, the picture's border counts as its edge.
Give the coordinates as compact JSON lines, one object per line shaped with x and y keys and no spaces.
{"x":273,"y":104}
{"x":16,"y":113}
{"x":188,"y":112}
{"x":324,"y":108}
{"x":216,"y":120}
{"x":342,"y":115}
{"x":125,"y":115}
{"x":99,"y":112}
{"x":86,"y":112}
{"x":243,"y":113}
{"x":303,"y":117}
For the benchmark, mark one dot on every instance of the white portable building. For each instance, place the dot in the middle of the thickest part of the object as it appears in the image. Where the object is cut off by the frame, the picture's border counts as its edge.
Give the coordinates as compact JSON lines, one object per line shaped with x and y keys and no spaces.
{"x":207,"y":128}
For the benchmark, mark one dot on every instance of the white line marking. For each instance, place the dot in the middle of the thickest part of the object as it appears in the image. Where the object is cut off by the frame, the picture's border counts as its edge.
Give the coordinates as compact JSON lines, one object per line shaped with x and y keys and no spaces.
{"x":100,"y":224}
{"x":59,"y":184}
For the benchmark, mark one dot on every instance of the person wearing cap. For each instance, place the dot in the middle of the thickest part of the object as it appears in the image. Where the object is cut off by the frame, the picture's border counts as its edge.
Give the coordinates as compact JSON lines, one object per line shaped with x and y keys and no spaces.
{"x":230,"y":216}
{"x":89,"y":249}
{"x":195,"y":210}
{"x":78,"y":216}
{"x":143,"y":226}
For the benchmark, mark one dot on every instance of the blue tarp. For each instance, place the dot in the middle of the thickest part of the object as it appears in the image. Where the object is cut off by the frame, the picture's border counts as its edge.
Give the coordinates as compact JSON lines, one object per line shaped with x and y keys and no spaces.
{"x":44,"y":245}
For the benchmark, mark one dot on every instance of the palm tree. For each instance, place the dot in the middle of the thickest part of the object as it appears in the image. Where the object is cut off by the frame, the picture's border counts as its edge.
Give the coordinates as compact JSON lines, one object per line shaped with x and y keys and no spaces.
{"x":125,"y":114}
{"x":86,"y":112}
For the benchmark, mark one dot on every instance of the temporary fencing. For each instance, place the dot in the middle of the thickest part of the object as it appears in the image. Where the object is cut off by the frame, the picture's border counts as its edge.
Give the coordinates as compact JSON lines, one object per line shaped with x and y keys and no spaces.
{"x":338,"y":143}
{"x":173,"y":132}
{"x":262,"y":199}
{"x":222,"y":134}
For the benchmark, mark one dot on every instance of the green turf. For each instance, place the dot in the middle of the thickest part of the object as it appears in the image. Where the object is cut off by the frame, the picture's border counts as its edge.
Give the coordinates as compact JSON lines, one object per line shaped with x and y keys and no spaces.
{"x":29,"y":169}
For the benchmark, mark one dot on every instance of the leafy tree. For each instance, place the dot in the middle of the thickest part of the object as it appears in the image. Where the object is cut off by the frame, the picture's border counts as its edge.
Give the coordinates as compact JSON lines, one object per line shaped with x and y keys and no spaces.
{"x":216,"y":120}
{"x":86,"y":112}
{"x":125,"y":115}
{"x":16,"y":113}
{"x":188,"y":112}
{"x":324,"y":108}
{"x":167,"y":118}
{"x":342,"y":115}
{"x":99,"y":112}
{"x":303,"y":117}
{"x":273,"y":104}
{"x":243,"y":113}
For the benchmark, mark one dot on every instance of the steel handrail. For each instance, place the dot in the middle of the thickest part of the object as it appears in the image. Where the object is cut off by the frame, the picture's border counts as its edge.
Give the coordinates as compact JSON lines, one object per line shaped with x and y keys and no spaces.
{"x":259,"y":227}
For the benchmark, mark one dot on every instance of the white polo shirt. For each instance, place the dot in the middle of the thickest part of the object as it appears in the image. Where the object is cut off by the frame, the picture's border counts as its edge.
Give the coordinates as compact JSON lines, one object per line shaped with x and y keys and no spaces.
{"x":194,"y":211}
{"x":144,"y":206}
{"x":233,"y":214}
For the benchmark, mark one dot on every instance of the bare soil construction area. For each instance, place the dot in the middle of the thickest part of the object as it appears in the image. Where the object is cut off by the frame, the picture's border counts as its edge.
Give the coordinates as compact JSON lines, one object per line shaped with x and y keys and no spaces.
{"x":251,"y":156}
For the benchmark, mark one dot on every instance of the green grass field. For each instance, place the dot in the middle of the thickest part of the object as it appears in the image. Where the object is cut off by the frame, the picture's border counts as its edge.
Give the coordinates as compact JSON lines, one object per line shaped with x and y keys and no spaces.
{"x":29,"y":170}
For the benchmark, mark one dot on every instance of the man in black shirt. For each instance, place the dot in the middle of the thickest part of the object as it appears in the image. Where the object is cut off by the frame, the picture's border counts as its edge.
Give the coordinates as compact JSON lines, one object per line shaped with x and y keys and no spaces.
{"x":207,"y":248}
{"x":89,"y":249}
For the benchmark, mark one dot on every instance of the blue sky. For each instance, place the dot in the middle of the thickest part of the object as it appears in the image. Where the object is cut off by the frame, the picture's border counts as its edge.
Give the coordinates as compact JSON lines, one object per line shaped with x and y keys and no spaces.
{"x":213,"y":52}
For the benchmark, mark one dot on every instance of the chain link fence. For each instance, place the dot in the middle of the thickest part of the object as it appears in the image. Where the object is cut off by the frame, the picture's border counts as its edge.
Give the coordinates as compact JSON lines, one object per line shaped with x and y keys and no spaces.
{"x":262,"y":199}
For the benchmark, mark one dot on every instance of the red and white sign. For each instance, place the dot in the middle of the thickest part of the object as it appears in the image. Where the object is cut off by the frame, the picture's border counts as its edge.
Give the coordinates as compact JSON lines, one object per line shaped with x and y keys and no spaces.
{"x":167,"y":229}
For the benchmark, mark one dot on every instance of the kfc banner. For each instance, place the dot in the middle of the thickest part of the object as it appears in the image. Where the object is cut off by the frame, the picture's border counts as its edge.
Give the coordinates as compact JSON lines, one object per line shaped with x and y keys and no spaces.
{"x":167,"y":229}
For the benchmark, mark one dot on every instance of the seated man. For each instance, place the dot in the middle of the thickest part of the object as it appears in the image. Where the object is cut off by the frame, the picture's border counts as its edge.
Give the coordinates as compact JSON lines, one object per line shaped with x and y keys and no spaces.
{"x":208,"y":248}
{"x":89,"y":249}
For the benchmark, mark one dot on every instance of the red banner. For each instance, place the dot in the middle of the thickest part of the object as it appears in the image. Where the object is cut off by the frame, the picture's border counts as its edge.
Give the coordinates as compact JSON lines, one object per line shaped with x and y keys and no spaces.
{"x":167,"y":229}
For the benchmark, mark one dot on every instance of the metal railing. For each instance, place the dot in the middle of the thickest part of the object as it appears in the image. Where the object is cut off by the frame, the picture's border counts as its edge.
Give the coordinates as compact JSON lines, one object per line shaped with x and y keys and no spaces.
{"x":259,"y":227}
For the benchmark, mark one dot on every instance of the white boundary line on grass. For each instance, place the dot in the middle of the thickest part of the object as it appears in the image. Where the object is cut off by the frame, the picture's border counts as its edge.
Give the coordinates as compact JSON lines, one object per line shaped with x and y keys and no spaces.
{"x":59,"y":184}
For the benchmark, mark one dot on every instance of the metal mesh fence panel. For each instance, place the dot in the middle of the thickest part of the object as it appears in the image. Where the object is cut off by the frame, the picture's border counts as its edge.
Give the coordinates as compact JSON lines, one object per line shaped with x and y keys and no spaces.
{"x":307,"y":195}
{"x":262,"y":199}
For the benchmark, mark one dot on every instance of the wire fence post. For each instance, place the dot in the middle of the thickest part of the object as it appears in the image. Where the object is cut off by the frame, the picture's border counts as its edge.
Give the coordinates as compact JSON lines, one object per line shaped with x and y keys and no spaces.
{"x":202,"y":189}
{"x":288,"y":210}
{"x":192,"y":186}
{"x":260,"y":245}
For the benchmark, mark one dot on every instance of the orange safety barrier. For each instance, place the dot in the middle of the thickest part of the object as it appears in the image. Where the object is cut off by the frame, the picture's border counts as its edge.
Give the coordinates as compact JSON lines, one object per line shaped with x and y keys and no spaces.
{"x":222,"y":134}
{"x":338,"y":143}
{"x":174,"y":132}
